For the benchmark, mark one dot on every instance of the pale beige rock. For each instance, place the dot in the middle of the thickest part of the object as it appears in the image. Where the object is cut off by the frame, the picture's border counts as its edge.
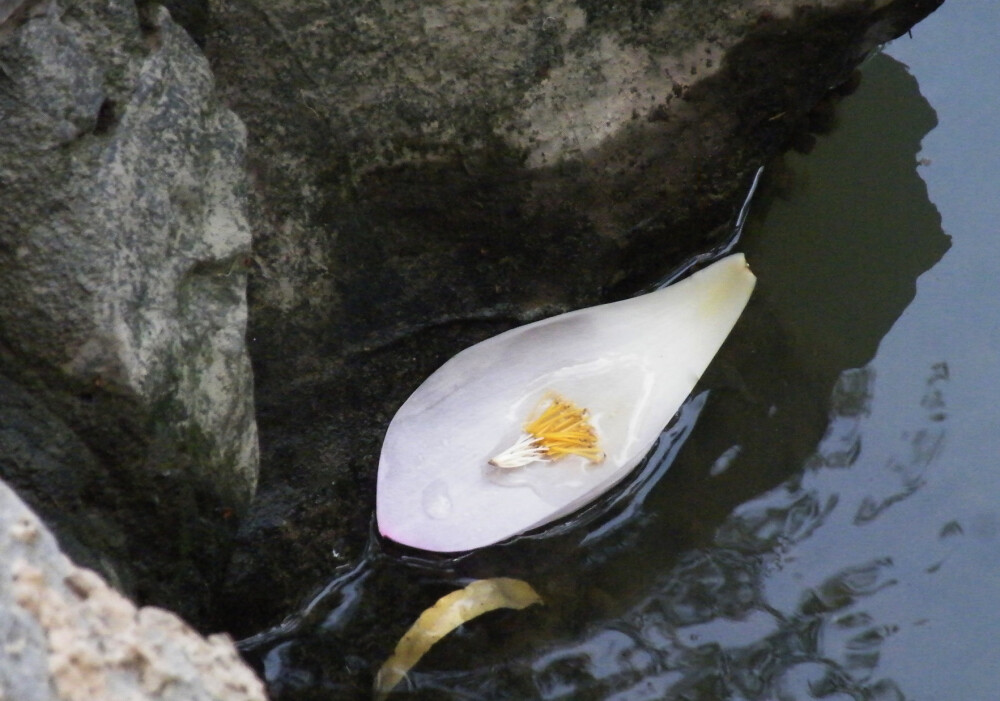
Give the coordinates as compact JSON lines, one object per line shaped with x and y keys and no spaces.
{"x":66,"y":635}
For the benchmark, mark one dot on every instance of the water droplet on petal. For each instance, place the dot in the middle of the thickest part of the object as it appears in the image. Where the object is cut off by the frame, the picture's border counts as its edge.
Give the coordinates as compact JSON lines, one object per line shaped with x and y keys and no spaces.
{"x":436,"y":500}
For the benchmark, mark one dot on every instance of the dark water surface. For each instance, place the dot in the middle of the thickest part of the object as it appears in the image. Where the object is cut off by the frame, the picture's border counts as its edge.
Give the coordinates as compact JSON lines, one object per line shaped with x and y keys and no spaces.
{"x":829,"y":525}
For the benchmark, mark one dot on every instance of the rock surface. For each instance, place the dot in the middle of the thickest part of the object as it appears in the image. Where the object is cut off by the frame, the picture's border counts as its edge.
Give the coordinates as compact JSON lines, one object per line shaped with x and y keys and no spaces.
{"x":427,"y":174}
{"x":67,"y":635}
{"x":125,"y":383}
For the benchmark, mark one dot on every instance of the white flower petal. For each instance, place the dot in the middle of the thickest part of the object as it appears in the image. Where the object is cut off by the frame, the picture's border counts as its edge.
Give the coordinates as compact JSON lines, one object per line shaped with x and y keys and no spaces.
{"x":630,"y":364}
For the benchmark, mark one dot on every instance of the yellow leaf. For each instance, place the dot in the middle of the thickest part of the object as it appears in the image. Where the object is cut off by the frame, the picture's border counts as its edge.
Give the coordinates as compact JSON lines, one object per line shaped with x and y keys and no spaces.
{"x":451,"y":611}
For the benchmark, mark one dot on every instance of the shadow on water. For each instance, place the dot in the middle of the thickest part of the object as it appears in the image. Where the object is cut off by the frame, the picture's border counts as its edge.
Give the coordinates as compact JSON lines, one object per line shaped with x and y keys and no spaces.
{"x":656,"y":592}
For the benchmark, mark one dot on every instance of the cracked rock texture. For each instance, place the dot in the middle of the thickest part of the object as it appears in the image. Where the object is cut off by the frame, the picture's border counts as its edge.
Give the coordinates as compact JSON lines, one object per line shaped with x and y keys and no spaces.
{"x":126,"y":407}
{"x":427,"y":173}
{"x":65,"y":634}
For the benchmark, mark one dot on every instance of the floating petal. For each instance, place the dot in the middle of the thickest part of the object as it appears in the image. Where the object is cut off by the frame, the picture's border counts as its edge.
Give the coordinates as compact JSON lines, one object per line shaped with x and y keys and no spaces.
{"x":613,"y":377}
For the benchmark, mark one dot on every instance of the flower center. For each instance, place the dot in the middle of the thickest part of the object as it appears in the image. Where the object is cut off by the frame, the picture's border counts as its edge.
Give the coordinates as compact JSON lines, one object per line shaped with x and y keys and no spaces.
{"x":558,"y":428}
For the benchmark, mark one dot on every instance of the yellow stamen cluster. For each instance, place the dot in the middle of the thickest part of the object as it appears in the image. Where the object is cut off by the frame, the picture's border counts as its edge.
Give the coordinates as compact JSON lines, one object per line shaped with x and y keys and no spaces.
{"x":564,"y":429}
{"x":560,"y":429}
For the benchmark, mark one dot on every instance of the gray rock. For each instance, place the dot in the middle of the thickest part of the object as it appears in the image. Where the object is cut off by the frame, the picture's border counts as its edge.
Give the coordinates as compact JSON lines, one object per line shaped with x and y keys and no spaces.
{"x":123,"y":247}
{"x":427,"y":174}
{"x":67,"y":635}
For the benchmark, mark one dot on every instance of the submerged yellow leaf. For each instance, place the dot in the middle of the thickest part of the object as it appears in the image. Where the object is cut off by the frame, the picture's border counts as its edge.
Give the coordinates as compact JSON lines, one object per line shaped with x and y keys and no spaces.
{"x":448,"y":613}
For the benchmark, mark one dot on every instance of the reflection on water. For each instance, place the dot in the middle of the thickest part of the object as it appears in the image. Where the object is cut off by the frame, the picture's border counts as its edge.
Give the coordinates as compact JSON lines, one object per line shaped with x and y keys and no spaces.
{"x":828,"y":527}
